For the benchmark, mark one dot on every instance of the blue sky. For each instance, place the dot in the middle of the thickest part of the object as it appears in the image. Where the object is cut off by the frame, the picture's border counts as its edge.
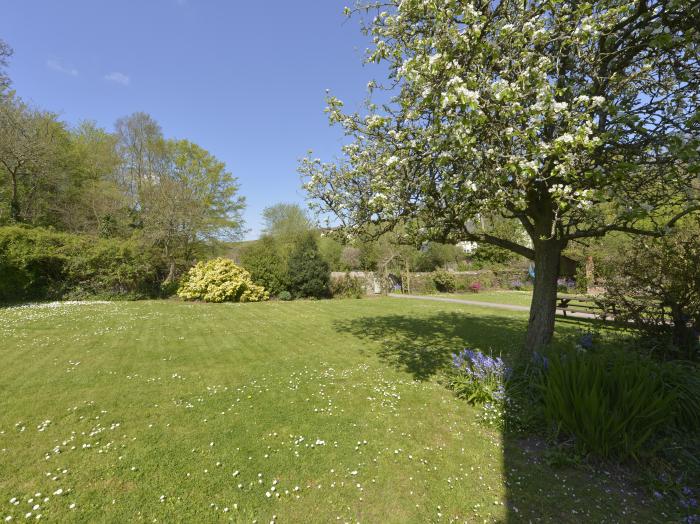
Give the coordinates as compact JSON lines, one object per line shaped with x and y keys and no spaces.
{"x":245,"y":80}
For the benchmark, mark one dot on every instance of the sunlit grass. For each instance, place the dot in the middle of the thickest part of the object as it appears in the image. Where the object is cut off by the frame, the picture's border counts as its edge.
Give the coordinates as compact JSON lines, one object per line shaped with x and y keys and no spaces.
{"x":517,"y":298}
{"x":305,"y":411}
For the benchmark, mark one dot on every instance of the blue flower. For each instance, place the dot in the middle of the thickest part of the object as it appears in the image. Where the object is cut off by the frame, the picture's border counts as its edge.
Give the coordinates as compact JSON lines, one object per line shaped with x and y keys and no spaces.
{"x":586,"y":341}
{"x":540,"y":360}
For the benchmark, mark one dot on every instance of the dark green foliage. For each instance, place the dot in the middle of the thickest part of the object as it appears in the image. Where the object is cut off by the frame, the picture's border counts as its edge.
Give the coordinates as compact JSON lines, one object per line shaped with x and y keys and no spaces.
{"x":38,"y":264}
{"x":445,"y":282}
{"x":307,"y":273}
{"x":284,"y":295}
{"x":265,"y":265}
{"x":613,"y":404}
{"x":489,"y":255}
{"x":331,"y":251}
{"x":683,"y":378}
{"x":655,"y":284}
{"x":435,"y":255}
{"x":347,"y":287}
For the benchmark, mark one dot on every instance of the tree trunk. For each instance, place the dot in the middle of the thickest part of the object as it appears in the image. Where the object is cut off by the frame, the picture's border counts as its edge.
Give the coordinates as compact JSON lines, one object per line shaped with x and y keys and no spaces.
{"x":540,"y":327}
{"x":14,"y":199}
{"x":171,"y":273}
{"x":590,"y":274}
{"x":684,"y":337}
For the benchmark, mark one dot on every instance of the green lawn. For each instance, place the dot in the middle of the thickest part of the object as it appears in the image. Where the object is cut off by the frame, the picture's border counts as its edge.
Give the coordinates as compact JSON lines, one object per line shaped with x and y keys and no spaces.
{"x":299,"y":412}
{"x":517,"y":298}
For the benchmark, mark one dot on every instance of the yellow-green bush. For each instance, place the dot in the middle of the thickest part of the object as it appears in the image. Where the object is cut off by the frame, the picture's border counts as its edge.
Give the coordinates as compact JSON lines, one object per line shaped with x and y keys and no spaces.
{"x":220,"y":280}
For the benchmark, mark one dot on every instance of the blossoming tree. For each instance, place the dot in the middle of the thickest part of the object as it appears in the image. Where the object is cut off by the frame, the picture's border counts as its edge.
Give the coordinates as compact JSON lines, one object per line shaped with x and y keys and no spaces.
{"x":574,"y":118}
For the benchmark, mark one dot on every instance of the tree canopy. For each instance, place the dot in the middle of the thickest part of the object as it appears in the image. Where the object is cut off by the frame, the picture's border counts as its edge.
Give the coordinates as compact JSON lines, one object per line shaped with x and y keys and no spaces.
{"x":573,"y":118}
{"x":285,"y":220}
{"x":173,"y":195}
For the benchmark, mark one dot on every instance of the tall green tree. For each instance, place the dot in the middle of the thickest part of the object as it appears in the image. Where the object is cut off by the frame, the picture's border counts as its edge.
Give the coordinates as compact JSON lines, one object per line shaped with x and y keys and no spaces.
{"x":285,"y":221}
{"x":34,"y":162}
{"x":5,"y":54}
{"x":575,"y":118}
{"x":142,"y":148}
{"x":266,"y":266}
{"x":95,"y":202}
{"x":308,"y":275}
{"x":191,"y":202}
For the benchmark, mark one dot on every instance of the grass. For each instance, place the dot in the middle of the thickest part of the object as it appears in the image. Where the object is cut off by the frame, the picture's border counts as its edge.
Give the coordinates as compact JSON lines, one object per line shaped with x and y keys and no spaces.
{"x":303,"y":411}
{"x":516,"y":298}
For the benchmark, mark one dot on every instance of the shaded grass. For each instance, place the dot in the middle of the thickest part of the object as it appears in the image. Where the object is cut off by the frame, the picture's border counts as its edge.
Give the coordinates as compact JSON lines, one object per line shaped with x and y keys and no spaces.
{"x":189,"y":401}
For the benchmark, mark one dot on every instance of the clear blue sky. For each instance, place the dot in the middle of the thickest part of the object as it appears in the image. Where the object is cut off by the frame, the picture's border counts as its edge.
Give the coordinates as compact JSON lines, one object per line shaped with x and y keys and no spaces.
{"x":245,"y":80}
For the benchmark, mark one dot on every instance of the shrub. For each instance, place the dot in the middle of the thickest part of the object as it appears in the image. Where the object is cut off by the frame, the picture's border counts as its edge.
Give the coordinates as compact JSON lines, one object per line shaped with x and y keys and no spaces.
{"x":39,"y":264}
{"x":220,"y":280}
{"x":265,"y":265}
{"x":655,"y":284}
{"x":613,"y":404}
{"x":308,"y":274}
{"x":284,"y":295}
{"x":683,"y":378}
{"x":347,"y":287}
{"x":475,"y":287}
{"x":419,"y":283}
{"x":445,"y":281}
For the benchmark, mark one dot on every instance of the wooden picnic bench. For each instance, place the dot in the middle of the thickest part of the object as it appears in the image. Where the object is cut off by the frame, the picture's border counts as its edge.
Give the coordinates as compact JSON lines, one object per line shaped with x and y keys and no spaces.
{"x":567,"y":303}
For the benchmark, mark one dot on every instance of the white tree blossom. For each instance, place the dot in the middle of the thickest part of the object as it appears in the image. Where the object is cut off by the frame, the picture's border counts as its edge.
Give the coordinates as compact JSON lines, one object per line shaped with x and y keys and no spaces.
{"x":574,"y":118}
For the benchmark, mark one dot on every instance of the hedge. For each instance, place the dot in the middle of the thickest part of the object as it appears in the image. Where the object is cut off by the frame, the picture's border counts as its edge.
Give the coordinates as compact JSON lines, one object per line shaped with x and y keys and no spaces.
{"x":40,"y":264}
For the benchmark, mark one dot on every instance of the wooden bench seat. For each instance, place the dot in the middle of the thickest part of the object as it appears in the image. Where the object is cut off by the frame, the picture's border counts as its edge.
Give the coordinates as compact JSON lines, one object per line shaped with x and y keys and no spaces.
{"x":580,"y":304}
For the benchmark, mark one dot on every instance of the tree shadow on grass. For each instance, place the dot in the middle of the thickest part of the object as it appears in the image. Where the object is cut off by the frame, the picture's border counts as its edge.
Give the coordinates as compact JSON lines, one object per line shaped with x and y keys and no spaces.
{"x":423,"y":345}
{"x":534,"y":489}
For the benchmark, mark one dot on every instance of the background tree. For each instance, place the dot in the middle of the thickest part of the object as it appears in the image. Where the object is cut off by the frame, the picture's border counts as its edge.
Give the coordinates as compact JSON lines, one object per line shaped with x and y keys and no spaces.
{"x":285,"y":221}
{"x":96,"y":204}
{"x":331,"y":250}
{"x":434,"y":255}
{"x":141,"y":147}
{"x":308,"y":275}
{"x":510,"y":230}
{"x":34,"y":156}
{"x":5,"y":54}
{"x":574,"y":118}
{"x":266,"y":266}
{"x":351,"y":258}
{"x":191,"y":202}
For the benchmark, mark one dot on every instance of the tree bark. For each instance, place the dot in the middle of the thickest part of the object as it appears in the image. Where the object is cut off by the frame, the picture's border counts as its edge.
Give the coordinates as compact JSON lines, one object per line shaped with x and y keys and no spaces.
{"x":14,"y":199}
{"x":171,"y":273}
{"x":540,"y":328}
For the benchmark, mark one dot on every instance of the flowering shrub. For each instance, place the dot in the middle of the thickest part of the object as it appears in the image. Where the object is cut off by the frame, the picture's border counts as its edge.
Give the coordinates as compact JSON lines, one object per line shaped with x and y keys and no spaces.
{"x":475,"y":287}
{"x":220,"y":280}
